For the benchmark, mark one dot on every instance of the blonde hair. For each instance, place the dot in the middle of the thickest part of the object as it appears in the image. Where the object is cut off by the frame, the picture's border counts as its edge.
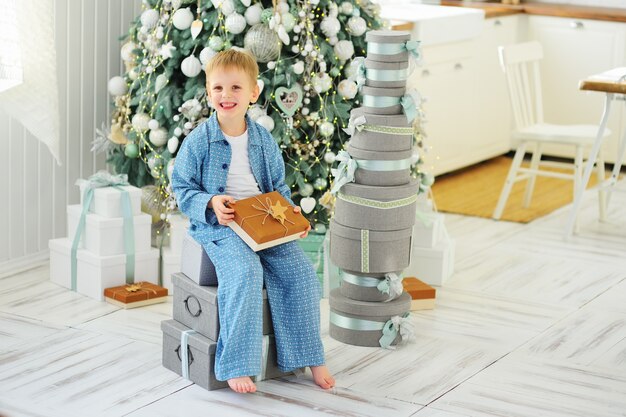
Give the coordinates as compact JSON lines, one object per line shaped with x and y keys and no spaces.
{"x":234,"y":58}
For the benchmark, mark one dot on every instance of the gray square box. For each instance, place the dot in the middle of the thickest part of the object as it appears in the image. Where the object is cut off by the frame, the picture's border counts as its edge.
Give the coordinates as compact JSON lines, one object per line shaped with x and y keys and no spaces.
{"x":343,"y":309}
{"x":195,"y":263}
{"x":195,"y":306}
{"x":201,"y":356}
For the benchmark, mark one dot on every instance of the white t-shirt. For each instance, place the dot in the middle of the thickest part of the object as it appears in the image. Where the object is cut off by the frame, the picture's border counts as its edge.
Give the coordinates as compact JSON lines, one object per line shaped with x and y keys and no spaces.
{"x":240,"y":182}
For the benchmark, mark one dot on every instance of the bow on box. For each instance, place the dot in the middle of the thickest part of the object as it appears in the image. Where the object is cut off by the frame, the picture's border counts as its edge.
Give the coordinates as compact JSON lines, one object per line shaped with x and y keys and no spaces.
{"x":401,"y":324}
{"x":99,"y":180}
{"x":344,"y":173}
{"x":275,"y":211}
{"x":410,"y":101}
{"x":356,"y":123}
{"x":391,"y":285}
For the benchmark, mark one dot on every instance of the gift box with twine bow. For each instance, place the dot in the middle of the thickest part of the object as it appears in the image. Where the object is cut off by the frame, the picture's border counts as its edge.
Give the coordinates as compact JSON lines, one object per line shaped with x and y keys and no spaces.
{"x":267,"y":220}
{"x":136,"y":295}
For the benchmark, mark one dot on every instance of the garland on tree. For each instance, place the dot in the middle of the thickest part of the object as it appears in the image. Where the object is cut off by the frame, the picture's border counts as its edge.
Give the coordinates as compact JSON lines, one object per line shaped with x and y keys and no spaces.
{"x":309,"y":52}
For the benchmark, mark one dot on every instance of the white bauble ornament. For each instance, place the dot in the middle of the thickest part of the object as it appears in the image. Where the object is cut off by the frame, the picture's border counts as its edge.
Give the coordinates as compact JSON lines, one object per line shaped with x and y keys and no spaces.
{"x":306,"y":190}
{"x":235,"y":23}
{"x":330,"y":26}
{"x":262,"y":42}
{"x":182,"y":18}
{"x":158,"y":137}
{"x":322,"y":82}
{"x":344,"y":50}
{"x":191,"y":66}
{"x":176,"y":4}
{"x":253,"y":14}
{"x":132,"y":74}
{"x":357,"y":26}
{"x":153,"y":124}
{"x":333,"y":40}
{"x":298,"y":67}
{"x":333,"y":10}
{"x":320,"y":183}
{"x":172,"y":144}
{"x":271,"y":65}
{"x":160,"y":82}
{"x":227,"y":7}
{"x":307,"y":204}
{"x":140,"y":122}
{"x":127,"y":51}
{"x":346,"y":8}
{"x":330,"y":157}
{"x":288,"y":21}
{"x":216,"y":43}
{"x":352,"y":69}
{"x":117,"y":86}
{"x":206,"y":54}
{"x":267,"y":122}
{"x":327,"y":129}
{"x":149,"y":18}
{"x":246,"y":2}
{"x":347,"y":89}
{"x":282,"y":7}
{"x":305,"y":111}
{"x":255,"y":111}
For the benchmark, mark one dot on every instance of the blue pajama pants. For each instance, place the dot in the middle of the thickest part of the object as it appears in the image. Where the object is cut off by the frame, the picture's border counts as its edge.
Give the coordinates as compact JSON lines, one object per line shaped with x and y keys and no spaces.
{"x":293,"y":293}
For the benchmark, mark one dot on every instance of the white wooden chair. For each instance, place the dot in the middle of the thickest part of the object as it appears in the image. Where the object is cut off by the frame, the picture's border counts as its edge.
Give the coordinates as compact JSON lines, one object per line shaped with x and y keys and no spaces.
{"x":520,"y":64}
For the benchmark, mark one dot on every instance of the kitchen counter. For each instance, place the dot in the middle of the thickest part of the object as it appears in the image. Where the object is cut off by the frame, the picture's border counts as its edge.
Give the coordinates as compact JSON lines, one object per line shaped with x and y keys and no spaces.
{"x":496,"y":9}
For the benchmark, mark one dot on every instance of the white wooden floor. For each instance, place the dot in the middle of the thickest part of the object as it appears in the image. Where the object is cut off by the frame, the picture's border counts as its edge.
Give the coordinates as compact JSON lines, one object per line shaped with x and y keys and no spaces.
{"x":528,"y":326}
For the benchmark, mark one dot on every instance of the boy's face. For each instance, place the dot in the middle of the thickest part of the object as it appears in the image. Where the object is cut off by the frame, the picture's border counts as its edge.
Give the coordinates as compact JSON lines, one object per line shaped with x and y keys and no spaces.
{"x":230,"y":91}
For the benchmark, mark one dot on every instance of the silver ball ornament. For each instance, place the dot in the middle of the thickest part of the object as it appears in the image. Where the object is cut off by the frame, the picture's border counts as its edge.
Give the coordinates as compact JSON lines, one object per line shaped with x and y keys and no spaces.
{"x":216,"y":43}
{"x":262,"y":42}
{"x":235,"y":23}
{"x":306,"y":190}
{"x":344,"y":50}
{"x":158,"y":137}
{"x":320,"y":183}
{"x":357,"y":26}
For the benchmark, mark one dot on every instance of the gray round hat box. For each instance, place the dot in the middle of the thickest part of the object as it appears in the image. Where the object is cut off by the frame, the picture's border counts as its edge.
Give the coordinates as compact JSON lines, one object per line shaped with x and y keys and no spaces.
{"x":369,"y":93}
{"x":386,"y":74}
{"x":364,"y":293}
{"x":380,"y":141}
{"x":342,"y":308}
{"x":387,"y":36}
{"x":358,"y":216}
{"x":387,"y":178}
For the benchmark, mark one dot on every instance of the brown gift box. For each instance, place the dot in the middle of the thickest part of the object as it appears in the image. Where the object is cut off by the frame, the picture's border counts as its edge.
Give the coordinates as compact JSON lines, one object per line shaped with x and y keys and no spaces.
{"x":135,"y":295}
{"x":422,"y":294}
{"x":267,"y":220}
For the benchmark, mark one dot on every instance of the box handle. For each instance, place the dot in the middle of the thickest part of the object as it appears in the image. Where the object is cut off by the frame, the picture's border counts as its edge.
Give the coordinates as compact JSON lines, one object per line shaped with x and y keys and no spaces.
{"x":186,"y":301}
{"x":189,"y":355}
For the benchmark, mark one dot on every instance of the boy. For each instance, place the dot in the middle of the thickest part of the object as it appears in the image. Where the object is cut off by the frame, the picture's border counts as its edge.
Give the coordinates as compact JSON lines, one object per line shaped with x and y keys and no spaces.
{"x":227,"y":158}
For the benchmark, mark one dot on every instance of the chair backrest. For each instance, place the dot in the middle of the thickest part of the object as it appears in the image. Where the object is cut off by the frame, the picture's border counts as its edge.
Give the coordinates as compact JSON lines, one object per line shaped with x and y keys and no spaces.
{"x":520,"y":63}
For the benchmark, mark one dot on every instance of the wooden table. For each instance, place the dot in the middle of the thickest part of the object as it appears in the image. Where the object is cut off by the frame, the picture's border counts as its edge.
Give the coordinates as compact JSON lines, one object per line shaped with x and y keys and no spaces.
{"x":613,"y":84}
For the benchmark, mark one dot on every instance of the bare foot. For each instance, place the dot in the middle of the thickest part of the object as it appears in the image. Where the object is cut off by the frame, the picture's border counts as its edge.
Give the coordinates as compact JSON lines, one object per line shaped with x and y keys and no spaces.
{"x":322,"y":376}
{"x":242,"y":384}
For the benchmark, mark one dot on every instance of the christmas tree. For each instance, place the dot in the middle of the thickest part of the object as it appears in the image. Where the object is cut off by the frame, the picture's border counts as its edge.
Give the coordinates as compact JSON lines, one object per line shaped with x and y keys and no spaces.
{"x":308,"y":53}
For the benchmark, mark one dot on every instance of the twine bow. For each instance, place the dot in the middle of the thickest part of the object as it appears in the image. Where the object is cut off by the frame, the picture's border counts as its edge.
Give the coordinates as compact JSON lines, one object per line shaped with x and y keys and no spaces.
{"x":355,"y":123}
{"x":409,"y":102}
{"x":276,"y":211}
{"x":414,"y":49}
{"x":392,"y":285}
{"x":397,"y":324}
{"x":344,"y":173}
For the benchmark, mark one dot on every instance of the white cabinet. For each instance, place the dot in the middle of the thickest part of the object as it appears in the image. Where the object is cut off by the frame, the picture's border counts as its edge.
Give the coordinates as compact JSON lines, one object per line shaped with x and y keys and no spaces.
{"x":573,"y":50}
{"x":466,"y":106}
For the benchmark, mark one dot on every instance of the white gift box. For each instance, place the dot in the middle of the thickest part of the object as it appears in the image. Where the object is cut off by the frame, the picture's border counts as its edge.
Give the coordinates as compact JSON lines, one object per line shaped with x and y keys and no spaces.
{"x":428,"y":230}
{"x":107,"y":201}
{"x":432,"y":265}
{"x":170,"y":265}
{"x":104,"y":236}
{"x":95,"y":273}
{"x":178,"y":230}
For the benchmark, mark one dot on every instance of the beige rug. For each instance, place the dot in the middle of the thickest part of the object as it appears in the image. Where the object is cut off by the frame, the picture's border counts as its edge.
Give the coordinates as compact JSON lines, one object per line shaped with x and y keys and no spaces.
{"x":474,"y":191}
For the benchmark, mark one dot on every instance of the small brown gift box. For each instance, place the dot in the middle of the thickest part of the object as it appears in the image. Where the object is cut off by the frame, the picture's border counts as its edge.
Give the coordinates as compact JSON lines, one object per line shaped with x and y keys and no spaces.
{"x":422,"y":294}
{"x":136,"y":295}
{"x":267,"y":220}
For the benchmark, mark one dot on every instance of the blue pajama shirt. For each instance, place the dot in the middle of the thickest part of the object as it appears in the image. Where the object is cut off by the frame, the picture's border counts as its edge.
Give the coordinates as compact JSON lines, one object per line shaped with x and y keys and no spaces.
{"x":200,"y":172}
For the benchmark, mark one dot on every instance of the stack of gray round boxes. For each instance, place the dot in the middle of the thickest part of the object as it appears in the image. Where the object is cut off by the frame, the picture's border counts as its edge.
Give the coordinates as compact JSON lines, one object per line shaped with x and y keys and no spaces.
{"x":370,"y":232}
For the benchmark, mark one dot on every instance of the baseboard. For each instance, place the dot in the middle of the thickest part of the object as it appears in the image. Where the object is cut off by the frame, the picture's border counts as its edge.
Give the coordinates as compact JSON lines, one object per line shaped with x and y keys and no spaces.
{"x":15,"y":266}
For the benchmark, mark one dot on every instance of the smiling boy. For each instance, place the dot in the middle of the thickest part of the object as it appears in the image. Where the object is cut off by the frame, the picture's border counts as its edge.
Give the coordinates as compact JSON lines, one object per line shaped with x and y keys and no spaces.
{"x":225,"y":159}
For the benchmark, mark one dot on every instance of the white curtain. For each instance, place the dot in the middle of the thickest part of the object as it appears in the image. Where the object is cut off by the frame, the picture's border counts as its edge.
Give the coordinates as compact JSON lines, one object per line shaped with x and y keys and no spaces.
{"x":28,"y":71}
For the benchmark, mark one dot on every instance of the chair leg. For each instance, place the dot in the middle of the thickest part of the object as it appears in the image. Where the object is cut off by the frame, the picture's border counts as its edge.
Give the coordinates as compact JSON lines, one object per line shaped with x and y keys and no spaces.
{"x":578,"y":177}
{"x":602,"y":200}
{"x":510,"y":180}
{"x":534,"y":166}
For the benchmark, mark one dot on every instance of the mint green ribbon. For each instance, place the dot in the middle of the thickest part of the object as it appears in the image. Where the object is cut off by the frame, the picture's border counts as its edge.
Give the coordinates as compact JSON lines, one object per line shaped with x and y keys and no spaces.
{"x":389,"y":329}
{"x":184,"y":354}
{"x":380,"y":101}
{"x":386,"y":75}
{"x":409,"y":102}
{"x":383,"y":205}
{"x":344,"y":172}
{"x":99,"y":180}
{"x":414,"y":48}
{"x":380,"y":165}
{"x":390,"y":284}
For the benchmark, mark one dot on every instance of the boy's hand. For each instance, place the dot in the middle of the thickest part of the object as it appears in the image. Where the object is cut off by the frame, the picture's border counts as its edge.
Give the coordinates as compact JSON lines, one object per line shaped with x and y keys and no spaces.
{"x":221,"y":205}
{"x":296,"y":209}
